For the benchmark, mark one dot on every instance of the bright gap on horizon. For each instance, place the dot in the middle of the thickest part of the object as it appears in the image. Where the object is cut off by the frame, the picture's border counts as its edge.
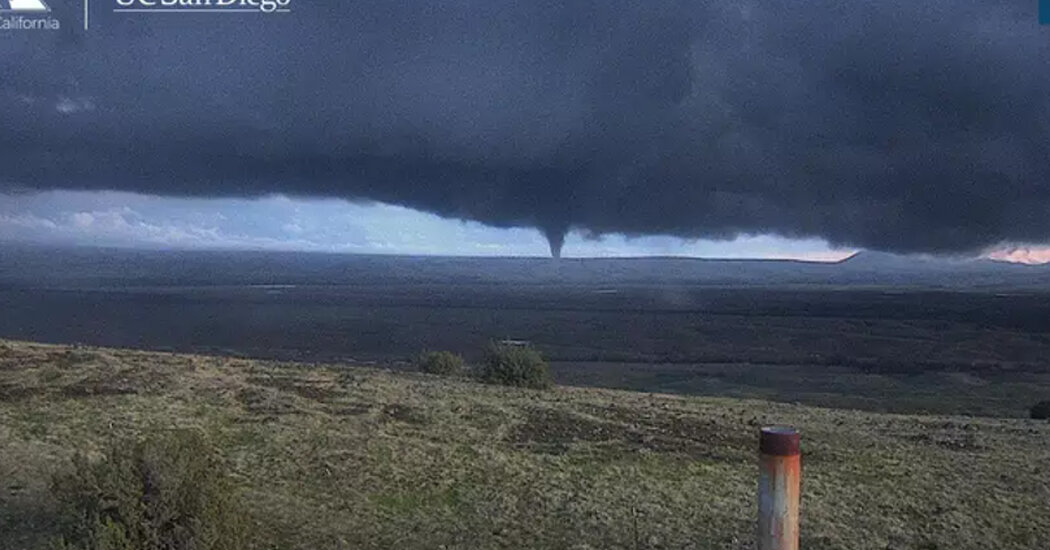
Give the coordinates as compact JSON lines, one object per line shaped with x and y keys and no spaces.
{"x":282,"y":223}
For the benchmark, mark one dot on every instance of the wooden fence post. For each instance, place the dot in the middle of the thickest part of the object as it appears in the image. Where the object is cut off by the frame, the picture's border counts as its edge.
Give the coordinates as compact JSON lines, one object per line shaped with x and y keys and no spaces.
{"x":779,"y":485}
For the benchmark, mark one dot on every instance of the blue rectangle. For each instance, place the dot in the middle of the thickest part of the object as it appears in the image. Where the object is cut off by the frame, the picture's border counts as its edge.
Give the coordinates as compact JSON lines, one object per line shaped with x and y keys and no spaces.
{"x":1044,"y":12}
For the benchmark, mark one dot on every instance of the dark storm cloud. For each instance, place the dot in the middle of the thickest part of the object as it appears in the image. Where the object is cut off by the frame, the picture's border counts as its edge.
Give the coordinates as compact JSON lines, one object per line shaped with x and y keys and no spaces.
{"x":897,"y":125}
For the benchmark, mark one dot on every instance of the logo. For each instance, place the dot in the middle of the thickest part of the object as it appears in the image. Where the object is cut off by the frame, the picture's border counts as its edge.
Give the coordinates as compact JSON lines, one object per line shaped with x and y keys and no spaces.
{"x":24,"y":6}
{"x":26,"y":15}
{"x":203,"y":6}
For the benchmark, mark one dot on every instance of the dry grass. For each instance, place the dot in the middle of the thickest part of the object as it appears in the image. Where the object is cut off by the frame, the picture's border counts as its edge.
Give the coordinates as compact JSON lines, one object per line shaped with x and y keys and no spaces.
{"x":334,"y":457}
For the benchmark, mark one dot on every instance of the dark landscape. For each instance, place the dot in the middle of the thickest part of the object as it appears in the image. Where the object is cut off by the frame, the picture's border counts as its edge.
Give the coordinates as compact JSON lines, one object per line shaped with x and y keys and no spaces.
{"x":875,"y":332}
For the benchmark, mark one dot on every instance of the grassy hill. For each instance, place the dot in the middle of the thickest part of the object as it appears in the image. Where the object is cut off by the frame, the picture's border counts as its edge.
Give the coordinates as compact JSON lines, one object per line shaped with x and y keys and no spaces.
{"x":332,"y":456}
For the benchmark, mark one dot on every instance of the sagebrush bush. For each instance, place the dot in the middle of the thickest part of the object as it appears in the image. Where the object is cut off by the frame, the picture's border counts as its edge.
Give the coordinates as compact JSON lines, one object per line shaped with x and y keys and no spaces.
{"x":169,"y":491}
{"x":440,"y":362}
{"x":520,"y":366}
{"x":1041,"y":410}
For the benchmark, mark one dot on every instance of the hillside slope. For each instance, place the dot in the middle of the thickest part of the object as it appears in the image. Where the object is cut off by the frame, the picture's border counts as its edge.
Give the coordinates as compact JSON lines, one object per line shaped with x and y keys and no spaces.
{"x":339,"y":457}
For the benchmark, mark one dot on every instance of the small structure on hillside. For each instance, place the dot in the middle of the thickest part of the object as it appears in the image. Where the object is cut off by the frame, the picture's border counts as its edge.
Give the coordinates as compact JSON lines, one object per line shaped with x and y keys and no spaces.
{"x":515,"y":343}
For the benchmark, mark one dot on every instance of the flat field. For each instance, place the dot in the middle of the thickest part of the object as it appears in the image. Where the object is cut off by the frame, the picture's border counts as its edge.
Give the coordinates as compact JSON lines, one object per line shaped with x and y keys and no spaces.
{"x":335,"y":456}
{"x":911,"y":350}
{"x":877,"y":332}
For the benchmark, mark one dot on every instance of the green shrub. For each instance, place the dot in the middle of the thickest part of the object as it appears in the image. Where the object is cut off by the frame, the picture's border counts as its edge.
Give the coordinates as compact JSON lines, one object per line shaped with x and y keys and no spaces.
{"x":167,"y":492}
{"x":515,"y":366}
{"x":440,"y":362}
{"x":1041,"y":410}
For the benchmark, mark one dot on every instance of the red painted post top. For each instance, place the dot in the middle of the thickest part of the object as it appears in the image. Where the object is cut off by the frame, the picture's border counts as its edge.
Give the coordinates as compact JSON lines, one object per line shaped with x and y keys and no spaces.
{"x":779,"y":441}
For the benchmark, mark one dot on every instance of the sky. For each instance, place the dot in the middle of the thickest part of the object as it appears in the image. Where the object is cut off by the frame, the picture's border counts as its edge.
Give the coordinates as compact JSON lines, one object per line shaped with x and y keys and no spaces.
{"x":329,"y":225}
{"x":658,"y":126}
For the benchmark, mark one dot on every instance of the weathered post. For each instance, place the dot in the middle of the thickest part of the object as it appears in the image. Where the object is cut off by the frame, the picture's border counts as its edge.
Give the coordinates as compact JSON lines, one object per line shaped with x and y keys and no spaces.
{"x":779,"y":480}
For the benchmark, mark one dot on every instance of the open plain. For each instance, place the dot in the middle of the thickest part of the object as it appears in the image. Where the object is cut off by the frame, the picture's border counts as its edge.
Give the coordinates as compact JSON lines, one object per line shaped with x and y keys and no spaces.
{"x":334,"y":456}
